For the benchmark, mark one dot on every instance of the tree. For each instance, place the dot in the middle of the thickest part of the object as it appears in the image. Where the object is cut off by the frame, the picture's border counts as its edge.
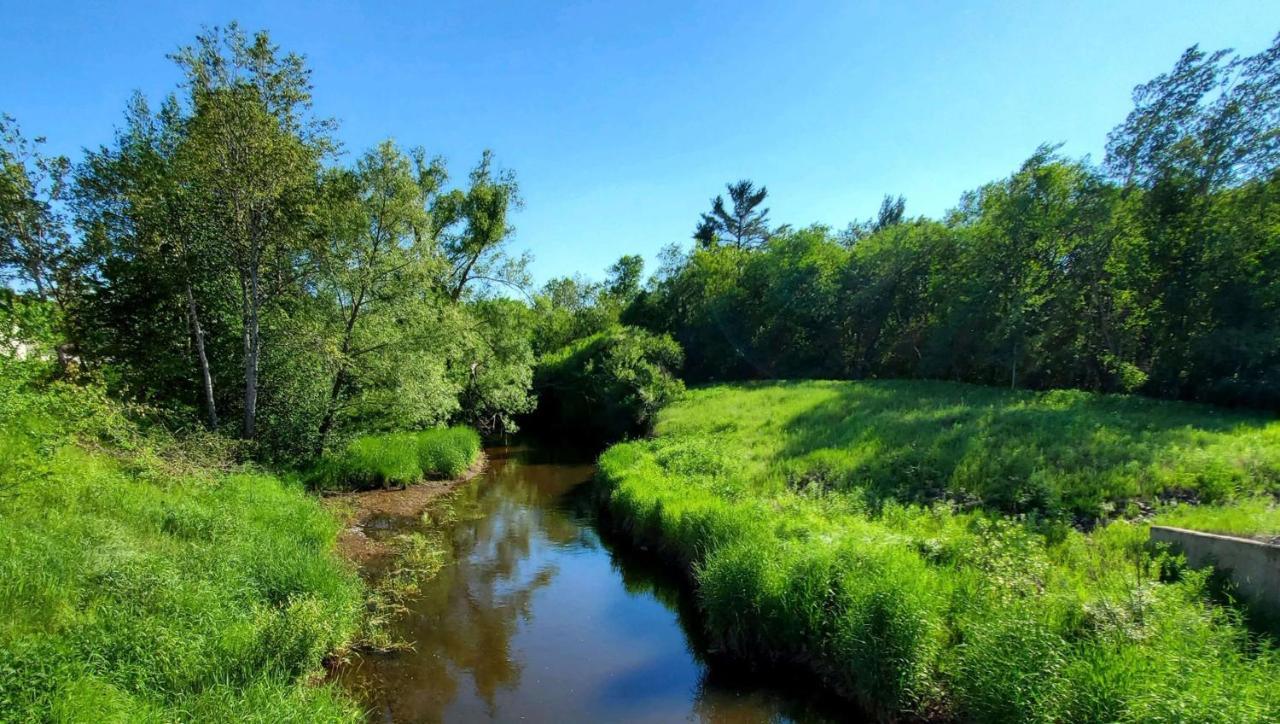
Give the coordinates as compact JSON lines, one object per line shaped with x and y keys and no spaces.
{"x":33,"y":235}
{"x":1213,"y":119}
{"x":146,"y":263}
{"x":249,"y":158}
{"x":892,"y":212}
{"x":747,"y":225}
{"x":707,"y":233}
{"x":377,"y":268}
{"x":623,"y":277}
{"x":473,"y":230}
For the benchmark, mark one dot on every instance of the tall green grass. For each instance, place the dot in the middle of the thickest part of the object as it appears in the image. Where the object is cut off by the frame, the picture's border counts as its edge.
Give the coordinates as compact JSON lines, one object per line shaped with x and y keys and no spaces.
{"x":398,"y":459}
{"x":447,"y":452}
{"x":141,"y":581}
{"x":831,"y":526}
{"x":1254,"y":517}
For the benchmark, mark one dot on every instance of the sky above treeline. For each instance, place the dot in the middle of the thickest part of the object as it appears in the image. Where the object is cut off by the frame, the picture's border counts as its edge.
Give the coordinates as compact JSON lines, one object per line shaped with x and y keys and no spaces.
{"x":622,"y":119}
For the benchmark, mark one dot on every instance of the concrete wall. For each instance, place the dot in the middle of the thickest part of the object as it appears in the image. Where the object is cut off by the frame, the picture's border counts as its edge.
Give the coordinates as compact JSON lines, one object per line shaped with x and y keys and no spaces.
{"x":1254,"y":566}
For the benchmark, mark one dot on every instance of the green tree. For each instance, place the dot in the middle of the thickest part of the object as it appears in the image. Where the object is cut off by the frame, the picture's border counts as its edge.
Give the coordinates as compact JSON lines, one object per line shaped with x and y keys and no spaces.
{"x":377,"y":267}
{"x":250,"y":157}
{"x":474,"y":232}
{"x":746,"y":224}
{"x":34,"y":242}
{"x":146,"y":266}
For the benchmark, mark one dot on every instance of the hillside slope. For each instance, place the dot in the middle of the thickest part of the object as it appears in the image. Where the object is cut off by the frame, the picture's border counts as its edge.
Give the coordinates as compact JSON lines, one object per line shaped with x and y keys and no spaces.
{"x":912,"y":544}
{"x":145,"y":579}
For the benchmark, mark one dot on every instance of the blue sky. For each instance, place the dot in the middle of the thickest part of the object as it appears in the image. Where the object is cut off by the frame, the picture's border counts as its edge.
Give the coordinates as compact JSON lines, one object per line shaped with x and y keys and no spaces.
{"x":622,"y":119}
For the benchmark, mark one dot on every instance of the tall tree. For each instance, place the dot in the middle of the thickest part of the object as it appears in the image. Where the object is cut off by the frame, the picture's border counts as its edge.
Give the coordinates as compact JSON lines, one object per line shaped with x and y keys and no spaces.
{"x":144,"y":255}
{"x":746,"y":225}
{"x":1212,"y":119}
{"x":378,"y":269}
{"x":33,"y":234}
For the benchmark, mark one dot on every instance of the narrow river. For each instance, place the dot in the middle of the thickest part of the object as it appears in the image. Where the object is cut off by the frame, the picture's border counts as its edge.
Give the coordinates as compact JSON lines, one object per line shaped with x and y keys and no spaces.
{"x":539,"y":617}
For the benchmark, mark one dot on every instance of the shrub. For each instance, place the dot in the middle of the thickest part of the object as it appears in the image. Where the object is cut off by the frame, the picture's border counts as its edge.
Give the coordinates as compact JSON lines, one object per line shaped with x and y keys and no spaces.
{"x":609,"y":385}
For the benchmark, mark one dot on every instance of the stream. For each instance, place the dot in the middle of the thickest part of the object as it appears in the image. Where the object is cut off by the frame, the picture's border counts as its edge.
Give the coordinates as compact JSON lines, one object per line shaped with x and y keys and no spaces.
{"x":540,"y":616}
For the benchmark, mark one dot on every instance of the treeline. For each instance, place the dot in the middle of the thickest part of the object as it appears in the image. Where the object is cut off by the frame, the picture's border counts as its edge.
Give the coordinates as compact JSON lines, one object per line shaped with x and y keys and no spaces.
{"x":215,"y":261}
{"x":1156,"y":272}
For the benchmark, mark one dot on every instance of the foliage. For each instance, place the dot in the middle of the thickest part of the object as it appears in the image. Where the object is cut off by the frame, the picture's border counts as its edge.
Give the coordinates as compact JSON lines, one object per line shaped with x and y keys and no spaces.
{"x":934,"y":611}
{"x":312,"y":301}
{"x":146,"y":580}
{"x":745,"y":226}
{"x":571,"y":308}
{"x":1156,"y":273}
{"x":608,"y":385}
{"x":34,"y":242}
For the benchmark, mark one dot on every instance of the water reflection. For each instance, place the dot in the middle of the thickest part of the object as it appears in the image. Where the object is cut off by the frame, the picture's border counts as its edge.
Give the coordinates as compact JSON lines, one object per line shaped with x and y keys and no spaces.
{"x":539,"y":619}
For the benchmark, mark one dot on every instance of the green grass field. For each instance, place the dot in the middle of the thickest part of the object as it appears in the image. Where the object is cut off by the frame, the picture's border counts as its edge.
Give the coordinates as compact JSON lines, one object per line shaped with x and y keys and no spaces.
{"x":146,"y":579}
{"x":918,"y":545}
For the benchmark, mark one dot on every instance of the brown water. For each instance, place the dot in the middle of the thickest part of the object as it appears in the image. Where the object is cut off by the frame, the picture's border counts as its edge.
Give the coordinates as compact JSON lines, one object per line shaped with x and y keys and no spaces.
{"x":539,"y":618}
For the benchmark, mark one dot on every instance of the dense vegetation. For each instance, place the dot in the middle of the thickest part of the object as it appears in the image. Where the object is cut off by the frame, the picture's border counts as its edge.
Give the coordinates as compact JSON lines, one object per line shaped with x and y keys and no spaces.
{"x":211,"y":262}
{"x":1157,"y":272}
{"x":608,"y":385}
{"x":783,"y":500}
{"x":218,"y":285}
{"x":398,"y":459}
{"x":144,"y":578}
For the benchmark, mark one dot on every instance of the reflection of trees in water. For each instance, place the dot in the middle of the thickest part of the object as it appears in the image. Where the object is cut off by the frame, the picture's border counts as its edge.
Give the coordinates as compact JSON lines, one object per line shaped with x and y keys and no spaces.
{"x":463,"y":621}
{"x":502,"y":529}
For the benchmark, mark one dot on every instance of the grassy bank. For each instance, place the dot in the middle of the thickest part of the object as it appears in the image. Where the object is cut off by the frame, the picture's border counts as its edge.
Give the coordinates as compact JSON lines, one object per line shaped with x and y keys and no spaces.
{"x":910,"y":543}
{"x":144,"y":578}
{"x":397,"y":459}
{"x":1254,"y":518}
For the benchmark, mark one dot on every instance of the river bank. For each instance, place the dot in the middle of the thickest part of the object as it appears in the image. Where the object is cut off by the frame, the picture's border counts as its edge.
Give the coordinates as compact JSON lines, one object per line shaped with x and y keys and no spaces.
{"x":911,"y":545}
{"x":359,"y":511}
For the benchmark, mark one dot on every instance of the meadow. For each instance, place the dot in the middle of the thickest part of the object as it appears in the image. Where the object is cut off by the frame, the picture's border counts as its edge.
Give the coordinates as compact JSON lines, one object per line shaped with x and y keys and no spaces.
{"x":147,"y":578}
{"x":951,"y":551}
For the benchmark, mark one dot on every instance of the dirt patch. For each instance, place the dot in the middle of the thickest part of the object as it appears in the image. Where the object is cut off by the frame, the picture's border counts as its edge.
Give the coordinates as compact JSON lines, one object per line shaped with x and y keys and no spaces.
{"x":364,"y":510}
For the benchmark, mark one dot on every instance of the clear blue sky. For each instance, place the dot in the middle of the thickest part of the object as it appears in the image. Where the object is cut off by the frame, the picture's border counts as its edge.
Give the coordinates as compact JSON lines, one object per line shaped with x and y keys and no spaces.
{"x":623,"y":118}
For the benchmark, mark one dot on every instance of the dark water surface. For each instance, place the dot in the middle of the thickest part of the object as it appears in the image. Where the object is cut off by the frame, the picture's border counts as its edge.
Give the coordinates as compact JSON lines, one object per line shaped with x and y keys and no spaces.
{"x":538,"y":618}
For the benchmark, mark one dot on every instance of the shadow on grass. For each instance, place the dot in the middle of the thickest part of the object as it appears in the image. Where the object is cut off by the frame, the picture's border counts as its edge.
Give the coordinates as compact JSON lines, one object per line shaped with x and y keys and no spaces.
{"x":1055,"y":453}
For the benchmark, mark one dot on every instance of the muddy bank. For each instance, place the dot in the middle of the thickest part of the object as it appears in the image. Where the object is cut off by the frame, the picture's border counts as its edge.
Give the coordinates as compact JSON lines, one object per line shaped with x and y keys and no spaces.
{"x":363,"y":510}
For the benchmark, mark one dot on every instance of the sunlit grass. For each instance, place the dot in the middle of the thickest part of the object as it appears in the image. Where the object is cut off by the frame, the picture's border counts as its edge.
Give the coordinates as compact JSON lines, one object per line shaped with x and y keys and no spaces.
{"x":131,"y":590}
{"x":397,"y":459}
{"x":864,"y":531}
{"x":1258,"y":517}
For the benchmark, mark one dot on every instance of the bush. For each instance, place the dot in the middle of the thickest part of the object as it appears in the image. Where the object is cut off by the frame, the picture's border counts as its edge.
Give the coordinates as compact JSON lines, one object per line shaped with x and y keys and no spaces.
{"x":609,"y":385}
